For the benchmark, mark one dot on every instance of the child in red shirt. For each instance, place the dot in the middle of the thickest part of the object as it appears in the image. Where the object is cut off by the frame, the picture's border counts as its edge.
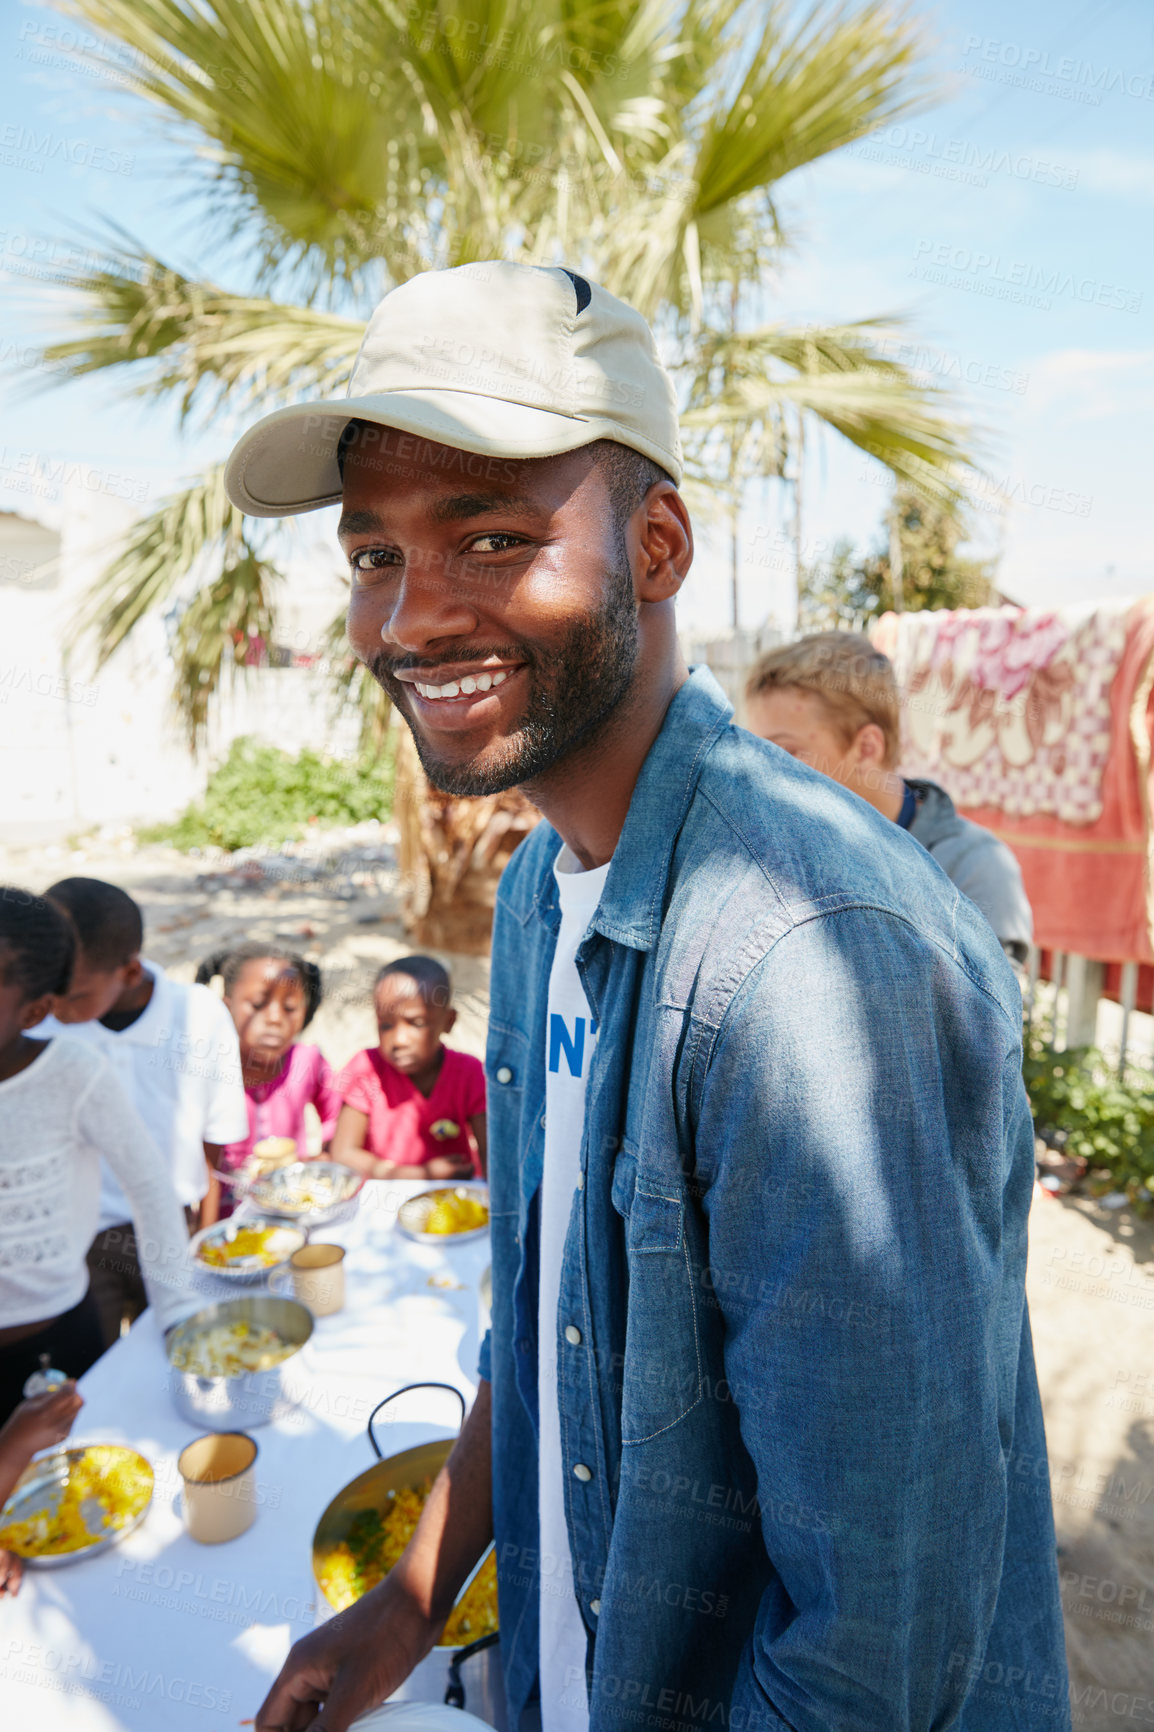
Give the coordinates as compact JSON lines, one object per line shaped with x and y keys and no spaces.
{"x":413,"y":1107}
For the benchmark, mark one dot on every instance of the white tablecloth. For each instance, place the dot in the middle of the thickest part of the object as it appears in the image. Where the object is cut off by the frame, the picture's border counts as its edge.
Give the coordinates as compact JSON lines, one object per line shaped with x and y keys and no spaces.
{"x":159,"y":1634}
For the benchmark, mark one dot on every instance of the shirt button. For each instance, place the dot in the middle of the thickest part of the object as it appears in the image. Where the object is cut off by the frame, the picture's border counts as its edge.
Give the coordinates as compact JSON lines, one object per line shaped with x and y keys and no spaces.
{"x":581,"y":1181}
{"x":595,"y":1608}
{"x":572,"y":1335}
{"x":583,"y":1473}
{"x":542,"y":1121}
{"x":504,"y":1075}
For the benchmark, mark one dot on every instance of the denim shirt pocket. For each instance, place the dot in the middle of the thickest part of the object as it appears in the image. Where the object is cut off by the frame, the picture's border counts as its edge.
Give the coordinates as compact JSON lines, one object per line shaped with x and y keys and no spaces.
{"x":662,"y":1377}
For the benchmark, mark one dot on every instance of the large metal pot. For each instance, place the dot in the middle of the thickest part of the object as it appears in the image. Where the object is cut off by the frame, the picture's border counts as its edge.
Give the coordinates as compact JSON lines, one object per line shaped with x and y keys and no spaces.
{"x":474,"y":1669}
{"x":252,"y":1397}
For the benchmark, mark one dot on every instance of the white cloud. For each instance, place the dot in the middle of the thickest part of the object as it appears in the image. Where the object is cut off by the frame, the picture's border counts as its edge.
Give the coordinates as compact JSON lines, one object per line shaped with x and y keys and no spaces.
{"x":1116,"y":174}
{"x":1090,"y":384}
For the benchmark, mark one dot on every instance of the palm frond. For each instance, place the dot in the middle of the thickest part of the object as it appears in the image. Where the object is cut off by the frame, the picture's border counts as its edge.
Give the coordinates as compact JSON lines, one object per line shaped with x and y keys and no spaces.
{"x":161,"y":550}
{"x":228,"y":621}
{"x":197,"y":342}
{"x":835,"y":373}
{"x":808,"y":88}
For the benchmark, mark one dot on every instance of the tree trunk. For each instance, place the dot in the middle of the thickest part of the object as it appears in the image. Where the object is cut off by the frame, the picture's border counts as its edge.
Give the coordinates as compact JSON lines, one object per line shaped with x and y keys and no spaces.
{"x":452,"y":854}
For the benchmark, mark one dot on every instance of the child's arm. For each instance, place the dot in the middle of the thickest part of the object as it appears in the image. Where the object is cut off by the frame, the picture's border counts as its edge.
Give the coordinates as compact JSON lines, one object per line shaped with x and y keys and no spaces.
{"x":440,"y":1167}
{"x":36,"y":1424}
{"x":327,"y":1100}
{"x":208,"y":1214}
{"x":348,"y":1146}
{"x":481,"y":1137}
{"x":107,"y":1122}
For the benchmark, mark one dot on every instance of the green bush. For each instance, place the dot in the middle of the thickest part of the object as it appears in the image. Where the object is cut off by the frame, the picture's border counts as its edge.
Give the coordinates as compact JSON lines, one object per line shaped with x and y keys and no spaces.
{"x":1104,"y":1119}
{"x":260,"y":794}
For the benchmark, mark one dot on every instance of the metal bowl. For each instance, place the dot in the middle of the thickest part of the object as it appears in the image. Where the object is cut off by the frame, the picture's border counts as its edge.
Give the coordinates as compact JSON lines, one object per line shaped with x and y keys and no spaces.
{"x":41,"y":1486}
{"x":415,"y":1211}
{"x":251,"y":1397}
{"x":279,"y":1193}
{"x":410,"y":1469}
{"x":289,"y":1239}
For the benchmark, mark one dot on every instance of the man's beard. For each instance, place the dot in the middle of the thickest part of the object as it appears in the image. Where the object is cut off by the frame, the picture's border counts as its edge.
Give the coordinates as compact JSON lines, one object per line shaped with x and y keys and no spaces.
{"x":572,"y":693}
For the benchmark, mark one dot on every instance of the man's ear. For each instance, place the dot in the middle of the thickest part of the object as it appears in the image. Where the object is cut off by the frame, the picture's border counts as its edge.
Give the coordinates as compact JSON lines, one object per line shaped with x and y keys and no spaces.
{"x":450,"y":1018}
{"x":133,"y":972}
{"x":664,"y":550}
{"x":36,"y":1010}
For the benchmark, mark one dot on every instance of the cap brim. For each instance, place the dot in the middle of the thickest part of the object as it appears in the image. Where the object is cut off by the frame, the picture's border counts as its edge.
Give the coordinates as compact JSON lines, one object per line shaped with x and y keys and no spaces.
{"x":287,"y":463}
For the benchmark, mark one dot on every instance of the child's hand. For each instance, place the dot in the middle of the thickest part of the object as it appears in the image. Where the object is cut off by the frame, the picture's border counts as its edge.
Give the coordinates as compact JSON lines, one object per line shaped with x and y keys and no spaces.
{"x":384,"y":1169}
{"x":11,"y":1574}
{"x":450,"y":1167}
{"x":40,"y":1422}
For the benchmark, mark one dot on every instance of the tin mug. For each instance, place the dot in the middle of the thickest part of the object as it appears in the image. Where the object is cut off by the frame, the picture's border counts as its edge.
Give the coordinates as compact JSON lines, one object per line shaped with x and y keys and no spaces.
{"x":318,"y":1278}
{"x":218,"y":1477}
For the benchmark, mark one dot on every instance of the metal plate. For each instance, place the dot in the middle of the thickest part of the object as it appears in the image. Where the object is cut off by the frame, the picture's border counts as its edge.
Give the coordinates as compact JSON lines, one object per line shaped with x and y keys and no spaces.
{"x":290,"y":1239}
{"x":274,"y":1194}
{"x":41,"y":1487}
{"x":412,"y":1215}
{"x":370,"y":1491}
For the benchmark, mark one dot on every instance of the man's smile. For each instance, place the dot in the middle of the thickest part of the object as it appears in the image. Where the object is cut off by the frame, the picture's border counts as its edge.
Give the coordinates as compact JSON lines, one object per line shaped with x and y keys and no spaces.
{"x":457,"y":695}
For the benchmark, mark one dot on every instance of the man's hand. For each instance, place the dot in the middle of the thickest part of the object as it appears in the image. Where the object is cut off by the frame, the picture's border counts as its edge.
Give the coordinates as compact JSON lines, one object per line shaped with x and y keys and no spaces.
{"x":350,"y":1664}
{"x":11,"y":1574}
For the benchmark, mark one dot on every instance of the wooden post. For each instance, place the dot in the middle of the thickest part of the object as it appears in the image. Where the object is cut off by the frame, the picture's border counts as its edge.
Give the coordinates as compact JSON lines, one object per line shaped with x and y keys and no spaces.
{"x":1056,"y":962}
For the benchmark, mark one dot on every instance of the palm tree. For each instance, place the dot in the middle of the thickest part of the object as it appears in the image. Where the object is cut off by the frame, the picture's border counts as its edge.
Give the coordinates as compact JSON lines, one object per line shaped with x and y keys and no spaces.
{"x":352,"y":143}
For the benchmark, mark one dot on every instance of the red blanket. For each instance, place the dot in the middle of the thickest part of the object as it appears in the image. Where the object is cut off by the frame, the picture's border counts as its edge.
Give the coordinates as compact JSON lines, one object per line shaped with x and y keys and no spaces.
{"x":1038,"y":723}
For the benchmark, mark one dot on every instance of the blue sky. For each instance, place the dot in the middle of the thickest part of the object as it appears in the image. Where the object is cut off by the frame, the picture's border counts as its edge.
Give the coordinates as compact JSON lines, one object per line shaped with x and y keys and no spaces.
{"x":1012,"y":225}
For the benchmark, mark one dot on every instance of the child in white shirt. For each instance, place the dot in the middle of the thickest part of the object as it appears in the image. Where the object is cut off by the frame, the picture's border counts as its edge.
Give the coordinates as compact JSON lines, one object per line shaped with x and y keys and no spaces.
{"x":175,"y":1051}
{"x":62,"y":1112}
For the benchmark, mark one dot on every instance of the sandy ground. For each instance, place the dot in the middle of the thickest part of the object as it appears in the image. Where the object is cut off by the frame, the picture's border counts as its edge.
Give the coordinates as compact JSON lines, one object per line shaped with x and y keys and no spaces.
{"x":1091,"y":1291}
{"x":1091,"y":1276}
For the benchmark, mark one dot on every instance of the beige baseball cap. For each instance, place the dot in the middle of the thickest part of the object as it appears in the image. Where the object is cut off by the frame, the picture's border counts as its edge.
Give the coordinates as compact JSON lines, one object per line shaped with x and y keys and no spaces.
{"x":499,"y":359}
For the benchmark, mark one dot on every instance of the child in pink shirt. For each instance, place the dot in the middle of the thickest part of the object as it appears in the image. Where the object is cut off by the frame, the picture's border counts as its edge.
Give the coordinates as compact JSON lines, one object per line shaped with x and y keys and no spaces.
{"x":413,"y":1107}
{"x":272,"y":997}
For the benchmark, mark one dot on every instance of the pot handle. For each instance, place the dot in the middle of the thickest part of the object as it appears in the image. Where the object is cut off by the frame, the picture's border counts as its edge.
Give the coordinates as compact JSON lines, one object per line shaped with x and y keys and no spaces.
{"x":454,"y":1689}
{"x":404,"y":1390}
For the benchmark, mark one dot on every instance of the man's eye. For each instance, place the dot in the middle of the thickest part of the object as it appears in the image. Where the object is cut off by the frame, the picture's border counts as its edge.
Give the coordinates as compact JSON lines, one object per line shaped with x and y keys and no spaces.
{"x":496,"y":541}
{"x":368,"y":562}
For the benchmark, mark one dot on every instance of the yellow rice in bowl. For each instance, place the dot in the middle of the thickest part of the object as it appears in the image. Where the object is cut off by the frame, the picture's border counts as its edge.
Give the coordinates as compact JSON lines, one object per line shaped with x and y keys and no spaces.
{"x":376,"y":1540}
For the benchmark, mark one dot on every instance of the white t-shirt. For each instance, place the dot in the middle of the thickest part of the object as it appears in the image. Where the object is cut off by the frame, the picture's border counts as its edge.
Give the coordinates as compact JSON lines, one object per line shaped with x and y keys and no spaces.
{"x":569,"y":1051}
{"x":58,"y":1118}
{"x":179,"y":1065}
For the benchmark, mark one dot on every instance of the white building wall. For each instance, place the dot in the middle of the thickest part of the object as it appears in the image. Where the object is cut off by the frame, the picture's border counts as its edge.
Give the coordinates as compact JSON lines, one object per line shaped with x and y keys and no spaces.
{"x":80,"y":748}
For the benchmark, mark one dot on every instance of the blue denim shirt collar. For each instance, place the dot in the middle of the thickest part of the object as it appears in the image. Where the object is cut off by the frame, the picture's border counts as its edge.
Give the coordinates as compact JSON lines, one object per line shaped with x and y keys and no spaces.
{"x":630,"y":908}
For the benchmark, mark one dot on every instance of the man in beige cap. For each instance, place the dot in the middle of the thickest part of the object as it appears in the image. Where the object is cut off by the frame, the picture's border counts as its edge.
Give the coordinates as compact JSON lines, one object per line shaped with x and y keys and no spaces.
{"x":760,"y":1156}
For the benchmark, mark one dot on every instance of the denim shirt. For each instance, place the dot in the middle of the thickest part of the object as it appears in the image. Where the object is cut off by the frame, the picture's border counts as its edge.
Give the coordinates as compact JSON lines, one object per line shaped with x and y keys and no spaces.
{"x":807,"y":1488}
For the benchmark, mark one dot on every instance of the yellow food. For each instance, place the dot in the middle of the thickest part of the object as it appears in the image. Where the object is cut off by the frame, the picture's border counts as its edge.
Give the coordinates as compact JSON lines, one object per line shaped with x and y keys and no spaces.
{"x":273,"y":1152}
{"x":119,"y":1482}
{"x":249,"y":1242}
{"x":455,"y":1212}
{"x":377,"y":1539}
{"x":228,"y":1349}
